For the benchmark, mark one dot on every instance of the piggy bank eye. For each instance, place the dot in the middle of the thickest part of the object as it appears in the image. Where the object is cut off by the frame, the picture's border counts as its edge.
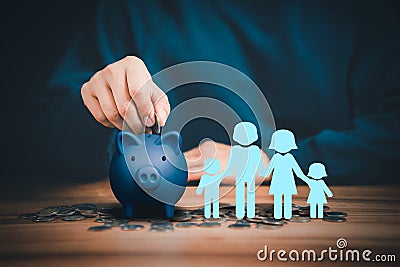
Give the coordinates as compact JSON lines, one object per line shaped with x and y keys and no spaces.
{"x":164,"y":158}
{"x":133,"y":158}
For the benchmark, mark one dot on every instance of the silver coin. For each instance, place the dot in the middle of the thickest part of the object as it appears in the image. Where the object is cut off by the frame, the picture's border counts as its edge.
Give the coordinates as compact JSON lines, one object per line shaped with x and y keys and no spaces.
{"x":43,"y":219}
{"x":300,"y":219}
{"x":116,"y":222}
{"x":186,"y":224}
{"x":182,"y":218}
{"x":88,"y":213}
{"x":273,"y":221}
{"x":230,"y":217}
{"x":76,"y":217}
{"x":268,"y":226}
{"x":256,"y":219}
{"x":132,"y":227}
{"x":156,"y":127}
{"x":210,"y":224}
{"x":305,"y":213}
{"x":161,"y":229}
{"x":49,"y":211}
{"x":239,"y":226}
{"x":198,"y":212}
{"x":221,"y":219}
{"x":27,"y":216}
{"x":65,"y":211}
{"x":197,"y":218}
{"x":335,"y":214}
{"x":334,"y":219}
{"x":104,"y":211}
{"x":158,"y":220}
{"x":99,"y":228}
{"x":242,"y":221}
{"x":161,"y":225}
{"x":103,"y":220}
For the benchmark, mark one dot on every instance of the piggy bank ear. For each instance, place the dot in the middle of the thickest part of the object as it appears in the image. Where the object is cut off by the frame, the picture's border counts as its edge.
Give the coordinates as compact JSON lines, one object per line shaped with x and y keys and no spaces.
{"x":173,"y":140}
{"x":129,"y":139}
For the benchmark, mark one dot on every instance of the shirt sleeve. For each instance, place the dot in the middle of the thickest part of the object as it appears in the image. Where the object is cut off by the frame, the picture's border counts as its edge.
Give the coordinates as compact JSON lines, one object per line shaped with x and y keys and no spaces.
{"x":368,"y":151}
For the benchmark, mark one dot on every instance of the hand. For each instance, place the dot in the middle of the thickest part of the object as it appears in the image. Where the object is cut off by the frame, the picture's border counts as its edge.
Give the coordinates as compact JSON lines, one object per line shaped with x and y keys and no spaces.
{"x":209,"y":149}
{"x":124,"y":91}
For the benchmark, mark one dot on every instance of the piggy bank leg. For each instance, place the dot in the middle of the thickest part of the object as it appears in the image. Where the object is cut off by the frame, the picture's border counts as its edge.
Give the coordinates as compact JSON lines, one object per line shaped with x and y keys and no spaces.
{"x":169,"y":211}
{"x":128,"y":210}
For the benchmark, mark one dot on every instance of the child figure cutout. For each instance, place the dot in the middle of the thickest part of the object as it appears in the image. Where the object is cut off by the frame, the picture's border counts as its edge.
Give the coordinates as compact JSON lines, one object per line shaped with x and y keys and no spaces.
{"x":318,"y":188}
{"x":210,"y":182}
{"x":282,"y":165}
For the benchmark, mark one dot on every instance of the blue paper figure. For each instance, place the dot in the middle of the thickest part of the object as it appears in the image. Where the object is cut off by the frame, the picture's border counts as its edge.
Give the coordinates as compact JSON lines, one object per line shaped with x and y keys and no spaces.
{"x":318,"y":188}
{"x":283,"y":164}
{"x":210,"y":182}
{"x":243,"y":162}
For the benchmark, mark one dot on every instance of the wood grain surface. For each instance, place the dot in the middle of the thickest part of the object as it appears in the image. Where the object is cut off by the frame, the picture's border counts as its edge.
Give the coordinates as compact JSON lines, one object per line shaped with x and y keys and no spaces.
{"x":373,"y":223}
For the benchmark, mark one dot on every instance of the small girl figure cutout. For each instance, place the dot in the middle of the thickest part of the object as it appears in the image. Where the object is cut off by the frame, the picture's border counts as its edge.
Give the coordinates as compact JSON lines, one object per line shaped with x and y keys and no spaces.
{"x":318,"y":189}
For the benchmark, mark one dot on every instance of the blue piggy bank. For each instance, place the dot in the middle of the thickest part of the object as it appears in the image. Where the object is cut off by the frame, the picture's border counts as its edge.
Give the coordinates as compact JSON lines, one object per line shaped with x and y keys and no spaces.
{"x":148,"y":170}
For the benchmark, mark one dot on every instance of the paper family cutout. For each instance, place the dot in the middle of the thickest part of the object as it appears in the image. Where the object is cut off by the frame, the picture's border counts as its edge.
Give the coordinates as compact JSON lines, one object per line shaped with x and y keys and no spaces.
{"x":245,"y":162}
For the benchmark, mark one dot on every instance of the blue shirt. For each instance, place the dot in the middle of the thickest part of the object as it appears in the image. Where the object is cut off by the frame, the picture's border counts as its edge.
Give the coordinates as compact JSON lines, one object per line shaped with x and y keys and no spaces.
{"x":329,"y":69}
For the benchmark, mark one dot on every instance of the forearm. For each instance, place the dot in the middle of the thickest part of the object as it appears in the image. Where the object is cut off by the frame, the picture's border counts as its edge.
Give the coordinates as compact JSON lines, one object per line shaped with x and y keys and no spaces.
{"x":367,"y":153}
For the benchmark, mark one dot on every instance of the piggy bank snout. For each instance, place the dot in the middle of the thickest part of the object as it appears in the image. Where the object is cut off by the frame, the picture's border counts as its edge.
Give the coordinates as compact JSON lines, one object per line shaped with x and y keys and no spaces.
{"x":148,"y":177}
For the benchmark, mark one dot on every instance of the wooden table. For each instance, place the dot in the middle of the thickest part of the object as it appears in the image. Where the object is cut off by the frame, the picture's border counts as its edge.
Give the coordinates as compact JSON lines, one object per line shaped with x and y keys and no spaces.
{"x":372,"y":223}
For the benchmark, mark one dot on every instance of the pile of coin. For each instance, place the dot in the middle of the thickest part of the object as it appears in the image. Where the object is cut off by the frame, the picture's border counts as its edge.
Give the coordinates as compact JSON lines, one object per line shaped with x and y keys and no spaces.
{"x":110,"y":218}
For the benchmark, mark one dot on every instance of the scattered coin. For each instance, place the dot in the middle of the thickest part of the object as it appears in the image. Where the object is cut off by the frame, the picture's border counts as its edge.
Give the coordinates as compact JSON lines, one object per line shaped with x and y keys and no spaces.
{"x":334,"y":219}
{"x":239,"y":226}
{"x":242,"y":221}
{"x":182,"y":218}
{"x":103,"y":220}
{"x":28,"y":216}
{"x":210,"y":224}
{"x":186,"y":224}
{"x":156,"y":129}
{"x":335,"y":214}
{"x":256,"y":219}
{"x":49,"y":211}
{"x":300,"y":219}
{"x":268,"y":226}
{"x":77,"y":217}
{"x":88,"y":213}
{"x":104,"y":211}
{"x":65,"y":211}
{"x":99,"y":228}
{"x":273,"y":221}
{"x":43,"y":219}
{"x":164,"y":230}
{"x":132,"y":227}
{"x":116,"y":222}
{"x":221,"y":219}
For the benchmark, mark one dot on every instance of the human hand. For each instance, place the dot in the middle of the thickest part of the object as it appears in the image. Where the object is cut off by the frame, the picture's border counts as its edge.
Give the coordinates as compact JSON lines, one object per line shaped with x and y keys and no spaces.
{"x":124,"y":90}
{"x":209,"y":149}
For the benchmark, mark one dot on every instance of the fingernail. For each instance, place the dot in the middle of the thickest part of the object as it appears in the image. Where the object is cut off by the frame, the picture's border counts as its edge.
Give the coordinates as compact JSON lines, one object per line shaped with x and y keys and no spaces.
{"x":163,"y":117}
{"x":148,"y":121}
